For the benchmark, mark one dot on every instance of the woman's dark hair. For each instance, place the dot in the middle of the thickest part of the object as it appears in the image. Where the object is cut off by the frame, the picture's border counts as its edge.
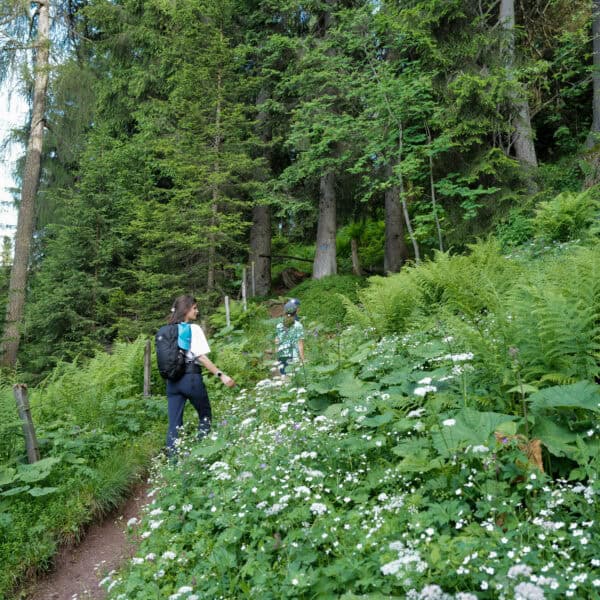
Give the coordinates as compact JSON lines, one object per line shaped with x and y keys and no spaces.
{"x":181,"y":307}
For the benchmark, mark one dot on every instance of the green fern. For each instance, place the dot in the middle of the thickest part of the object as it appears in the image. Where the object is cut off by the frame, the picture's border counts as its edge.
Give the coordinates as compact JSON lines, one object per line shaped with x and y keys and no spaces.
{"x":559,"y":309}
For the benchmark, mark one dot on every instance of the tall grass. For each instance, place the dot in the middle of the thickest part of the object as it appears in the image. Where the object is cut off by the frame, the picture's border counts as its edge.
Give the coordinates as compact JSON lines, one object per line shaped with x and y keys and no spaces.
{"x":93,"y":419}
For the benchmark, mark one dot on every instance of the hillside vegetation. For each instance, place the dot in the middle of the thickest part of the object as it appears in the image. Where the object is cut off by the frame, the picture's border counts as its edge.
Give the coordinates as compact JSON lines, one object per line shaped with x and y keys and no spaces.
{"x":443,"y":445}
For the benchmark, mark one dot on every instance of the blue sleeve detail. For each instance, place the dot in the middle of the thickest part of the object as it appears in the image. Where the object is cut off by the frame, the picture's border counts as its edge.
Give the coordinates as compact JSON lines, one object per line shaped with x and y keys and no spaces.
{"x":185,"y":336}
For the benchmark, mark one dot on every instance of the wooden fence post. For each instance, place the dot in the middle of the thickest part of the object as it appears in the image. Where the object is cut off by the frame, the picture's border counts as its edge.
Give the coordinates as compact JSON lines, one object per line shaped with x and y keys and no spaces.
{"x":227,"y":313}
{"x":20,"y":393}
{"x":244,"y":301}
{"x":147,"y":368}
{"x":253,"y":270}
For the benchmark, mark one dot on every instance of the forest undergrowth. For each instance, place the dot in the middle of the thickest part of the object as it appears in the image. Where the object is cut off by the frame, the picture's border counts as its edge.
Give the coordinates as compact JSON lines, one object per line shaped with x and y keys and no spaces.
{"x":443,"y":445}
{"x":96,"y":435}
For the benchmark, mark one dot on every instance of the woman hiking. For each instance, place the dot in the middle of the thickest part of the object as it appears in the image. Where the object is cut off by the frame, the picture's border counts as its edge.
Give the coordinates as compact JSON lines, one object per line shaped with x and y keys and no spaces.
{"x":289,"y":337}
{"x":191,"y":385}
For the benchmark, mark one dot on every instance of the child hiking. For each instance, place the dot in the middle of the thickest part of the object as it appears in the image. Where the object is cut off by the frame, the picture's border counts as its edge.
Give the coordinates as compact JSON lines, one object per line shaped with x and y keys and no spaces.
{"x":181,"y":348}
{"x":289,"y":338}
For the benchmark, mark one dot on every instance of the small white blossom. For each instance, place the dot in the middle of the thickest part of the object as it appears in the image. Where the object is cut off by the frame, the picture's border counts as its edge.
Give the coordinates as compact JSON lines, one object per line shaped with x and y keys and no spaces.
{"x":317,"y":508}
{"x":422,"y":391}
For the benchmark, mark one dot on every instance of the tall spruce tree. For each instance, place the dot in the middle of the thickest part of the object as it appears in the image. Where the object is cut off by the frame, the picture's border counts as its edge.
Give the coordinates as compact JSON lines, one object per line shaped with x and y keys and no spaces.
{"x":523,"y":134}
{"x":595,"y":128}
{"x":30,"y":182}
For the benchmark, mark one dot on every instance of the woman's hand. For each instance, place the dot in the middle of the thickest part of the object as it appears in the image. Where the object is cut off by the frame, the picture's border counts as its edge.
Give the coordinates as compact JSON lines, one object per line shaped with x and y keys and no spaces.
{"x":226,"y":380}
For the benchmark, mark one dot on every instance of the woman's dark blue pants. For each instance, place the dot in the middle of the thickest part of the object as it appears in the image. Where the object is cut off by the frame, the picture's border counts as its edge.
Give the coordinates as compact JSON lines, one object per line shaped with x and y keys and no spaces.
{"x":189,"y":387}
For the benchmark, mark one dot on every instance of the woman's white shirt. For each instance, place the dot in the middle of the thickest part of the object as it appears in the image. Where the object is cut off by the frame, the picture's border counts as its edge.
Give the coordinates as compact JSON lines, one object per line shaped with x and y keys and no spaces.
{"x":199,"y":346}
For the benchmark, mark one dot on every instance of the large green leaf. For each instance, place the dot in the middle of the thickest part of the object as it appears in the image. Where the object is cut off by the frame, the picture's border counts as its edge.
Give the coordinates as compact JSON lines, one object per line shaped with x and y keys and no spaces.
{"x":39,"y":491}
{"x":378,"y":420}
{"x":7,"y":475}
{"x":38,"y":470}
{"x":470,"y":427}
{"x":209,"y":450}
{"x":559,"y":440}
{"x":582,"y":394}
{"x":421,"y":462}
{"x":15,"y":491}
{"x":345,"y":384}
{"x":411,"y":446}
{"x":334,"y":412}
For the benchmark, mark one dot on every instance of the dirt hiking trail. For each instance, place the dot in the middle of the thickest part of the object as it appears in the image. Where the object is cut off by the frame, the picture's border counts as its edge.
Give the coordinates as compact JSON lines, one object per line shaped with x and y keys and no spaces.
{"x":79,"y":569}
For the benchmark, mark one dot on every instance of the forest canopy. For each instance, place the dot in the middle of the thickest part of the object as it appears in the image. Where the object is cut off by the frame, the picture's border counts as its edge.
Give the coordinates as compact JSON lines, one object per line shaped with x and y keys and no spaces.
{"x":184,"y":140}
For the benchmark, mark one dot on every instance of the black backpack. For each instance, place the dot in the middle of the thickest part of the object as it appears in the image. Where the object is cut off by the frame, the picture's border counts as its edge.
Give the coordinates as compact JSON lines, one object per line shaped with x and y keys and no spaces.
{"x":169,"y":356}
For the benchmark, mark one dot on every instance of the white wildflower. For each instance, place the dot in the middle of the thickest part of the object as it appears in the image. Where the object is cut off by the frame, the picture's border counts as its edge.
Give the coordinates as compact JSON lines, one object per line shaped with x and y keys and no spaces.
{"x":422,"y":391}
{"x":479,"y":449}
{"x":519,"y":571}
{"x":528,"y":591}
{"x":415,"y":414}
{"x":317,"y":508}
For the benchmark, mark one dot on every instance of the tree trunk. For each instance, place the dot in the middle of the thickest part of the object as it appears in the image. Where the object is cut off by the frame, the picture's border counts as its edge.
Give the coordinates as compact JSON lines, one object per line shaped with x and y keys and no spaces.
{"x":260,"y":233}
{"x":31,"y":179}
{"x":396,"y":250}
{"x":594,"y":136}
{"x":325,"y":255}
{"x":523,"y":134}
{"x":212,"y":236}
{"x":260,"y":247}
{"x":523,"y":137}
{"x":434,"y":205}
{"x":355,"y":260}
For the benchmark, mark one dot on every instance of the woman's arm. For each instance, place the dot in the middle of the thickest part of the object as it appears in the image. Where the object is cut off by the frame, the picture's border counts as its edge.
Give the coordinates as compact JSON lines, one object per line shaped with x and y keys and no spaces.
{"x":208,"y":364}
{"x":301,"y":349}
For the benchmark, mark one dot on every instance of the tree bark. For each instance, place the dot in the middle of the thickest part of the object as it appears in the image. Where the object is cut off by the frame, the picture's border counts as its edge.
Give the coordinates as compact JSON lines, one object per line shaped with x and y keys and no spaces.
{"x":355,"y":259}
{"x":523,"y":133}
{"x":260,"y":232}
{"x":434,"y":205}
{"x":396,"y":250}
{"x":31,"y":179}
{"x":594,"y":135}
{"x":260,"y":247}
{"x":325,"y":262}
{"x":212,"y":236}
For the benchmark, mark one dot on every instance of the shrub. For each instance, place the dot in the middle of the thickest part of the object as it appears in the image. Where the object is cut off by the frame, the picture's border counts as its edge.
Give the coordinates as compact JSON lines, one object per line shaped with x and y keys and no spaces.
{"x":369,"y":235}
{"x":320,"y":298}
{"x":568,"y":216}
{"x":469,"y":284}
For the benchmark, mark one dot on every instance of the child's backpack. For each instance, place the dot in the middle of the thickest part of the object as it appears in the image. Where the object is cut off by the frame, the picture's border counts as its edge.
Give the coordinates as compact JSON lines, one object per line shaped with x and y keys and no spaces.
{"x":169,"y":356}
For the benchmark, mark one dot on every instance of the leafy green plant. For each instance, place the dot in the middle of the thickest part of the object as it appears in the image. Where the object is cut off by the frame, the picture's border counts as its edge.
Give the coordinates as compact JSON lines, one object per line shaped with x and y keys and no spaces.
{"x":320,"y":300}
{"x":96,"y":435}
{"x":368,"y":235}
{"x":568,"y":216}
{"x":375,"y":491}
